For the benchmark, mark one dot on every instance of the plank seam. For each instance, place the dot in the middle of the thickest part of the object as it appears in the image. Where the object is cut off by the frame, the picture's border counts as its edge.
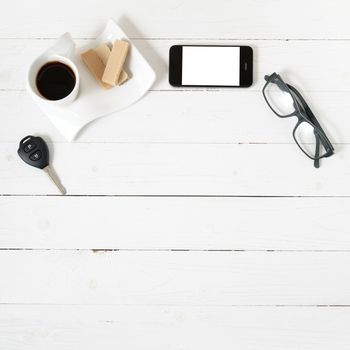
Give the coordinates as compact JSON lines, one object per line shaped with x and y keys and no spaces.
{"x":114,"y":250}
{"x":187,"y":306}
{"x":171,"y":196}
{"x":188,"y":39}
{"x":199,"y":90}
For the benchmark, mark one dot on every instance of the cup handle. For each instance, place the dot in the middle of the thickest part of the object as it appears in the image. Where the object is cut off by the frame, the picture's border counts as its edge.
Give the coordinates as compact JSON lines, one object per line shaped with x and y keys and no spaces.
{"x":64,"y":46}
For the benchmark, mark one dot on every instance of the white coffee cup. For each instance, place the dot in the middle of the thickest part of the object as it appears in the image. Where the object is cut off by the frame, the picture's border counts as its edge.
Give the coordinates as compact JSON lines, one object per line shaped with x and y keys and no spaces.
{"x":62,"y":52}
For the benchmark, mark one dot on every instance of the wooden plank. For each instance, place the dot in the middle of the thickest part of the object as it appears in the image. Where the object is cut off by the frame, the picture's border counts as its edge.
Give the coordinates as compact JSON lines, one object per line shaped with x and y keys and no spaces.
{"x":185,"y":117}
{"x":66,"y":327}
{"x":174,"y":223}
{"x":179,"y":169}
{"x":194,"y":116}
{"x":309,"y":65}
{"x":174,"y":278}
{"x":177,"y":19}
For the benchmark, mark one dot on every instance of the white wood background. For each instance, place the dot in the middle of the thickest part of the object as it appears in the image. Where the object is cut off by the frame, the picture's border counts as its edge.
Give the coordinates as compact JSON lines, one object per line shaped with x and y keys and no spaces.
{"x":192,"y":221}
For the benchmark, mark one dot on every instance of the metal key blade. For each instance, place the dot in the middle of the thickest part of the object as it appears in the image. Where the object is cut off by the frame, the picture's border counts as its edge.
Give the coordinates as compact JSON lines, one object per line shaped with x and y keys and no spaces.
{"x":54,"y":179}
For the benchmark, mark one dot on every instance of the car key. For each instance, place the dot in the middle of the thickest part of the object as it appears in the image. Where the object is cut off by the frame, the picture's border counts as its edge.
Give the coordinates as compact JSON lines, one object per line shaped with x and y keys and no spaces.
{"x":34,"y":151}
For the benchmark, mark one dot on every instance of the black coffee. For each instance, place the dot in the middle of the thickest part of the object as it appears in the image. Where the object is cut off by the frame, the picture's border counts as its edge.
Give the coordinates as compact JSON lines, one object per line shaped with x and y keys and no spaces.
{"x":55,"y":80}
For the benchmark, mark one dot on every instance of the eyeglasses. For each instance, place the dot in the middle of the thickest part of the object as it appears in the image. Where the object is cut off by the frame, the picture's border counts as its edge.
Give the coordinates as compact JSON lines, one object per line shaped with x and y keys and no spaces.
{"x":286,"y":101}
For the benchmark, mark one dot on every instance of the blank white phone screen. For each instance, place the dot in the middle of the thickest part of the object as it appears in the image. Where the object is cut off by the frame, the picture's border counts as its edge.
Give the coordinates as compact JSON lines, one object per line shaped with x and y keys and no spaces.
{"x":210,"y":65}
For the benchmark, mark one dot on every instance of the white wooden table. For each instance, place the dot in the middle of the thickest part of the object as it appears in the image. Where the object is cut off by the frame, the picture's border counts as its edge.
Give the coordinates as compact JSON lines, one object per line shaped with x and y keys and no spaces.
{"x":192,"y":221}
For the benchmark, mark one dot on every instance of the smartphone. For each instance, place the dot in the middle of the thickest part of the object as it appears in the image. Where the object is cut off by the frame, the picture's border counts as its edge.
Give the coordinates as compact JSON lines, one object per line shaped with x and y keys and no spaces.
{"x":210,"y":66}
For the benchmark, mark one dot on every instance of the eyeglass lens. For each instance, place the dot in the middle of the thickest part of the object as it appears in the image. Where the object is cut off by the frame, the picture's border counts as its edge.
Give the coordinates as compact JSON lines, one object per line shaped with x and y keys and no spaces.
{"x":305,"y":137}
{"x":280,"y":101}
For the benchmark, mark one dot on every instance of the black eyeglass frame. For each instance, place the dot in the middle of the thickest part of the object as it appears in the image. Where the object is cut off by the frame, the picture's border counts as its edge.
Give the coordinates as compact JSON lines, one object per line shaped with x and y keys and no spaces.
{"x":304,"y":114}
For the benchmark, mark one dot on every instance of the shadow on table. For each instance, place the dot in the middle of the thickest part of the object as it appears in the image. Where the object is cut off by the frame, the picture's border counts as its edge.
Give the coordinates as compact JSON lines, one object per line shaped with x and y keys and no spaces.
{"x":156,"y":62}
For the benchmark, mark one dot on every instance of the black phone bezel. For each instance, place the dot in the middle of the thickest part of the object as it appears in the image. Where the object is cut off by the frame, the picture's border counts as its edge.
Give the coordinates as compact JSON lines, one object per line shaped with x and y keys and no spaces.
{"x":246,"y":66}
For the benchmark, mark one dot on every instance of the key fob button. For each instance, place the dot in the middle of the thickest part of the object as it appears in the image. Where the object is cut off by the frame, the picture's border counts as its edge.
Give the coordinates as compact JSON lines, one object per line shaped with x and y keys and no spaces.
{"x":33,"y":150}
{"x":35,"y":156}
{"x":29,"y":146}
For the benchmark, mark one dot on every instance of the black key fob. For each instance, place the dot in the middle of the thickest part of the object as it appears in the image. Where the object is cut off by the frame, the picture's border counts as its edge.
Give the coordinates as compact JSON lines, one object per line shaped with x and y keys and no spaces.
{"x":33,"y":150}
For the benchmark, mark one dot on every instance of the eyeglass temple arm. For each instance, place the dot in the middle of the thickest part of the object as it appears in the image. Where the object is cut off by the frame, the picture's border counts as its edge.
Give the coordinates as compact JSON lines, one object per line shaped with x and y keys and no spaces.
{"x":317,"y":151}
{"x":312,"y":117}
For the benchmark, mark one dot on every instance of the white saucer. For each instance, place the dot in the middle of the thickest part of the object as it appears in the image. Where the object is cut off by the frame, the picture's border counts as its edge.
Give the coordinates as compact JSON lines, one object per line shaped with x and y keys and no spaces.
{"x":94,"y":102}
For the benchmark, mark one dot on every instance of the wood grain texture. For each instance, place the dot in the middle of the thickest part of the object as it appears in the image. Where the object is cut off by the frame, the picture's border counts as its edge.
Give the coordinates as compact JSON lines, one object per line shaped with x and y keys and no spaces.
{"x":71,"y":327}
{"x":179,"y":169}
{"x":198,"y":116}
{"x":179,"y":19}
{"x":174,"y":278}
{"x":174,"y":223}
{"x":104,"y":272}
{"x":310,"y":65}
{"x":194,"y":117}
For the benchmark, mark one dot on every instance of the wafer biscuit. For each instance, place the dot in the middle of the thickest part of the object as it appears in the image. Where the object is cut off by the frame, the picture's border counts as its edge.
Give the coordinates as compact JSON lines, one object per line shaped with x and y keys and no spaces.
{"x":103,"y":51}
{"x":115,"y":62}
{"x":95,"y":65}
